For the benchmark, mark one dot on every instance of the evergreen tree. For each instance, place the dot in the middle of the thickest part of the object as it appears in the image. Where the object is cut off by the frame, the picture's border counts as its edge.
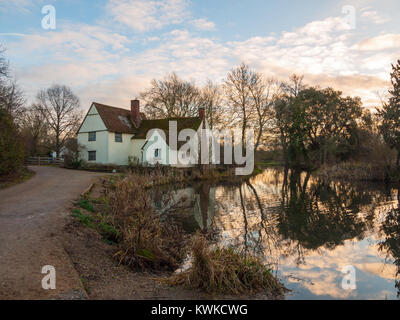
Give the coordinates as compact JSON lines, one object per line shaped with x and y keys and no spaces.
{"x":390,"y":113}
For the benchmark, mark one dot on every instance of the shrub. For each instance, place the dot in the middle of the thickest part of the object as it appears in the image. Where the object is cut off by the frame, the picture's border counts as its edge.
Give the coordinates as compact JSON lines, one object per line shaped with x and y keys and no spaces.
{"x":11,"y":147}
{"x":83,"y":218}
{"x":86,"y":204}
{"x":145,"y":243}
{"x":225,"y":271}
{"x":108,"y":232}
{"x":99,"y":223}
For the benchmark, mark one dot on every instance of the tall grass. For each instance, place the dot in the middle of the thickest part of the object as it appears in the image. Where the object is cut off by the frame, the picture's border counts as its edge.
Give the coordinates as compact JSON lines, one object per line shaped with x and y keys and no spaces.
{"x":225,"y":271}
{"x":145,"y":243}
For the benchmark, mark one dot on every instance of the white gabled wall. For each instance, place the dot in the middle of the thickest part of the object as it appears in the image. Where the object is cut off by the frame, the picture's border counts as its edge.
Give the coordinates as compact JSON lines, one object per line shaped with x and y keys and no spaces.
{"x":136,"y":149}
{"x":119,"y":153}
{"x":94,"y":123}
{"x":100,"y":146}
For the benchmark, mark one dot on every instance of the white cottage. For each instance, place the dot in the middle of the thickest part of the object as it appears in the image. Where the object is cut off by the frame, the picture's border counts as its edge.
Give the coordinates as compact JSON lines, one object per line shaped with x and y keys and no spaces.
{"x":112,"y":135}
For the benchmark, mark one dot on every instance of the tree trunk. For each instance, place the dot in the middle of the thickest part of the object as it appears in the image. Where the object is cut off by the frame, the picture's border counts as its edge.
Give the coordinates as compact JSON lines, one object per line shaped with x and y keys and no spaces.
{"x":57,"y":146}
{"x":398,"y":160}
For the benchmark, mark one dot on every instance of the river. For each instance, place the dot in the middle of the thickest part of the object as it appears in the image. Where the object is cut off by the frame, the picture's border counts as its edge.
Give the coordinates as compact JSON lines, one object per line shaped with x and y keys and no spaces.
{"x":306,"y":229}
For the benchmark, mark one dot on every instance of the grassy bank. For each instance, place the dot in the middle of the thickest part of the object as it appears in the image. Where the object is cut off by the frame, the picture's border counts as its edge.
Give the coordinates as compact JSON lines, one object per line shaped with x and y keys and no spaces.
{"x":15,"y":178}
{"x":359,"y":171}
{"x":123,"y":213}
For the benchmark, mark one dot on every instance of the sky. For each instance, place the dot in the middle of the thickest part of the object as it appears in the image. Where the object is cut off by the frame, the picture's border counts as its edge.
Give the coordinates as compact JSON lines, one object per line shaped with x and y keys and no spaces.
{"x":108,"y":51}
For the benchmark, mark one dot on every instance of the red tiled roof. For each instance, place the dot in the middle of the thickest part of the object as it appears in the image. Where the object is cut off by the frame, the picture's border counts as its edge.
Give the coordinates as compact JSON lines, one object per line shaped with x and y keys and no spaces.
{"x":119,"y":120}
{"x":116,"y":119}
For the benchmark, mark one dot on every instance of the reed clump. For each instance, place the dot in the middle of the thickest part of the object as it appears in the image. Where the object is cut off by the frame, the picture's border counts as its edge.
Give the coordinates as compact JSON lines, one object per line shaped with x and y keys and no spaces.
{"x":226,"y":272}
{"x":145,"y":243}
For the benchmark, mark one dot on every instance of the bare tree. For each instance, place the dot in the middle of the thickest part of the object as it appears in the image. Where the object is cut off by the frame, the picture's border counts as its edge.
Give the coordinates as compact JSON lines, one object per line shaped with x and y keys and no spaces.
{"x":294,"y":85}
{"x":11,"y":97}
{"x":60,"y":107}
{"x":171,"y":98}
{"x":212,"y":101}
{"x":239,"y":97}
{"x":35,"y":131}
{"x":250,"y":98}
{"x":12,"y":100}
{"x":3,"y":63}
{"x":264,"y":94}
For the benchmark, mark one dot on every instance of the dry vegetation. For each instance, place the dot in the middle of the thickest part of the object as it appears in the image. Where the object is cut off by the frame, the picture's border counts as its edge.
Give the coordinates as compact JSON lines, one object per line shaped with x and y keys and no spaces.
{"x":145,"y":243}
{"x":14,"y":178}
{"x":353,"y":171}
{"x":124,"y":215}
{"x":225,"y":271}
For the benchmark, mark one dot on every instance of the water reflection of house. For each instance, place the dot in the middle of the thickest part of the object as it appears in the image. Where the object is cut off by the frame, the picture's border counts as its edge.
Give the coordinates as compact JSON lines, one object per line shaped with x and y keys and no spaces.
{"x":193,"y":206}
{"x":203,"y":210}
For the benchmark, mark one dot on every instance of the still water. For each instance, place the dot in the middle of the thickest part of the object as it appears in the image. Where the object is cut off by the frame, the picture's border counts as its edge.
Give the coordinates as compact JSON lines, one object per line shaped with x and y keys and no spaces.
{"x":307,"y":229}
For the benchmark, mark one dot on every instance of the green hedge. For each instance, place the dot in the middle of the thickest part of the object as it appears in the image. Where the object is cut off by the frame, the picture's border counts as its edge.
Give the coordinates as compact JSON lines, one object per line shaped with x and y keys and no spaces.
{"x":11,"y":147}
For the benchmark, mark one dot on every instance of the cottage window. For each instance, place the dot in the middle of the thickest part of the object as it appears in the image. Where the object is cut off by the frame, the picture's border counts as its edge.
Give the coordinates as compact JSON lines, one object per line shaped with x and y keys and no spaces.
{"x":92,"y":156}
{"x":118,"y":137}
{"x":92,"y":136}
{"x":157,"y":153}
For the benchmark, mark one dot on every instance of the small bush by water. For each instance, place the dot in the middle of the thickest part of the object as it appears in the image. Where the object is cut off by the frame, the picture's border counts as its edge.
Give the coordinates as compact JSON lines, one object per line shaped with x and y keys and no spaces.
{"x":225,"y":271}
{"x":145,"y":243}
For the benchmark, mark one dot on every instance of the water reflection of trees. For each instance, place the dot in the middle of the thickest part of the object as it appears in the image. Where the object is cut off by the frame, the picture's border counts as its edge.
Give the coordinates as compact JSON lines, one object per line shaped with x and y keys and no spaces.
{"x":320,"y":214}
{"x":309,"y":214}
{"x":391,"y":229}
{"x":285,"y":214}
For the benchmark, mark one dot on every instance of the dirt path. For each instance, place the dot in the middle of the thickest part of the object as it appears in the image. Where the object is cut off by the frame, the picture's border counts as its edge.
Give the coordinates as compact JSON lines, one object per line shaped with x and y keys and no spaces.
{"x":32,"y":217}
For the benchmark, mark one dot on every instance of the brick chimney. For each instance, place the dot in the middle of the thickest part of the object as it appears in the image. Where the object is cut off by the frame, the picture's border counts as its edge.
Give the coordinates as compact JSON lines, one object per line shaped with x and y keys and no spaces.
{"x":202,"y":113}
{"x":202,"y":116}
{"x":135,"y":113}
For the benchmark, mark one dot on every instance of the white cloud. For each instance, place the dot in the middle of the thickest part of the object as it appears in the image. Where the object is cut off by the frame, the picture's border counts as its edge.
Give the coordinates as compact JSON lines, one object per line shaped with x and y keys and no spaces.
{"x":19,"y":5}
{"x":203,"y":24}
{"x":145,"y":15}
{"x":317,"y":32}
{"x":382,"y":42}
{"x":105,"y":62}
{"x":373,"y":16}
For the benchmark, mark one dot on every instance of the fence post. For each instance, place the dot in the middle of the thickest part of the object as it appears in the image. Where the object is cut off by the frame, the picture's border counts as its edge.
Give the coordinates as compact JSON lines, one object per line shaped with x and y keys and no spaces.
{"x":39,"y":161}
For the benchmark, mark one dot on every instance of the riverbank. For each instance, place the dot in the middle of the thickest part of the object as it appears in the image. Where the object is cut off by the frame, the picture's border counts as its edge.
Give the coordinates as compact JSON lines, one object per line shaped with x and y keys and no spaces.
{"x":348,"y":171}
{"x":129,"y":254}
{"x":359,"y":171}
{"x":15,"y":178}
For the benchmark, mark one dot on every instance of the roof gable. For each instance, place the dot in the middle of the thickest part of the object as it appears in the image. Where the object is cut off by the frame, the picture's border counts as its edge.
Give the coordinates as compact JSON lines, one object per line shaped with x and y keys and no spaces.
{"x":92,"y":121}
{"x":119,"y":120}
{"x":115,"y":119}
